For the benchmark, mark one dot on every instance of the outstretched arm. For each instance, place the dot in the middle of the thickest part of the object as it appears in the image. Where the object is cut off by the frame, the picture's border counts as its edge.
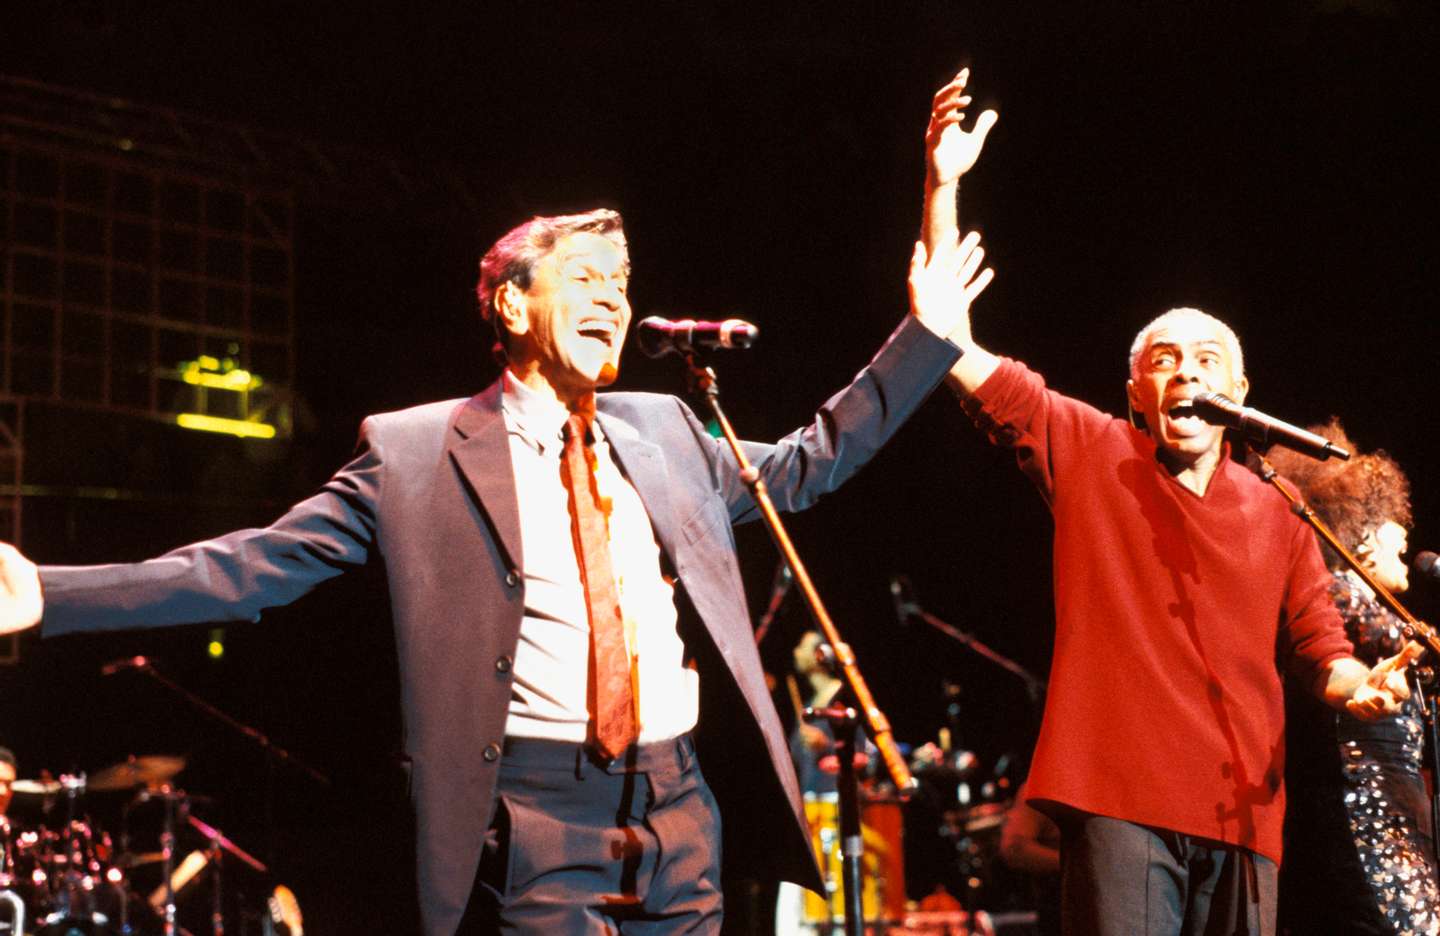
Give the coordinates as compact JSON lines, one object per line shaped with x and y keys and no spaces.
{"x":21,"y":602}
{"x":950,"y":152}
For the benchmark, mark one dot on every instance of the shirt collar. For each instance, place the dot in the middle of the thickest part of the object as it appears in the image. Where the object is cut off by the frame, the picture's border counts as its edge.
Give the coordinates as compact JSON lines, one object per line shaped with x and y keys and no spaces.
{"x":536,"y":418}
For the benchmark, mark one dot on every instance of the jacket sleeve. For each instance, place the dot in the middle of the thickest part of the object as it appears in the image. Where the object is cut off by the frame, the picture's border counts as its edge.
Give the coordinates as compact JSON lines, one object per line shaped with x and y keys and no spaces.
{"x":847,"y":431}
{"x":233,"y":577}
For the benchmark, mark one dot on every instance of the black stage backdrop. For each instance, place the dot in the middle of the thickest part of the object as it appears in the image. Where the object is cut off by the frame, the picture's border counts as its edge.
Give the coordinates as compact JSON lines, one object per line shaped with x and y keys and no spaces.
{"x":1272,"y":163}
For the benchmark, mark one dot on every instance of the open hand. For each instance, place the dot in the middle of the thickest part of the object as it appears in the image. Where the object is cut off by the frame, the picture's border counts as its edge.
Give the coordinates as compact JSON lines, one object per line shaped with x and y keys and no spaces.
{"x":1384,"y":690}
{"x":20,"y":600}
{"x":951,"y":150}
{"x":943,"y":286}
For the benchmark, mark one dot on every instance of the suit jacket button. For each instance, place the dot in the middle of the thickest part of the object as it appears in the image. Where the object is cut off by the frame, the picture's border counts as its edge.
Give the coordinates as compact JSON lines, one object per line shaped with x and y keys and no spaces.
{"x":512,"y":579}
{"x":503,"y":664}
{"x":491,"y":752}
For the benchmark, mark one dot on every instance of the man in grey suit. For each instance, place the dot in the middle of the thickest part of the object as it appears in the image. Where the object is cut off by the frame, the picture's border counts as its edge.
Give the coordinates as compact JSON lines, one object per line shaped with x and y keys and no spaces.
{"x":534,"y":813}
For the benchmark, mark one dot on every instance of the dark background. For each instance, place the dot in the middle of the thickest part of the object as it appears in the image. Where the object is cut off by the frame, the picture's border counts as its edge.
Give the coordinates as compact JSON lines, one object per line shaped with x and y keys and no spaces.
{"x":1271,"y":163}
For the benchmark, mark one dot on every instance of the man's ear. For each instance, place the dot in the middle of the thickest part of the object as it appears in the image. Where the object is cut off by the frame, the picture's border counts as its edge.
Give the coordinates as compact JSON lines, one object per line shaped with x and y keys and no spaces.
{"x":1136,"y":419}
{"x":510,"y":308}
{"x":1242,"y":387}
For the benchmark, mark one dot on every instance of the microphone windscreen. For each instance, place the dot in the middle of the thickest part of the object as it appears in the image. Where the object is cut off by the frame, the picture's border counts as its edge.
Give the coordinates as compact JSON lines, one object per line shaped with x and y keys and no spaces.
{"x":1425,"y":563}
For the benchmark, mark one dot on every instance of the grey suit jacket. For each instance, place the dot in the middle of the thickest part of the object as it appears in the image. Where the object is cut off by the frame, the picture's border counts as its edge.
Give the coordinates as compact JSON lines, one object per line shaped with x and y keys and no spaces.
{"x":431,"y":492}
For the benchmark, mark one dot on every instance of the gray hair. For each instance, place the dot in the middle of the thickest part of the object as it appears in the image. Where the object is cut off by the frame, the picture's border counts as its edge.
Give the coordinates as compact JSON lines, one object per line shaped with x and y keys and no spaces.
{"x":514,"y":256}
{"x":1227,"y":335}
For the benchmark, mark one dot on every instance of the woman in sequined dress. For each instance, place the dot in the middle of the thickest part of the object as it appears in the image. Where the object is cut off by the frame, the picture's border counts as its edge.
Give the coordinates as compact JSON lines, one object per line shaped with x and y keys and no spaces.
{"x":1359,"y":858}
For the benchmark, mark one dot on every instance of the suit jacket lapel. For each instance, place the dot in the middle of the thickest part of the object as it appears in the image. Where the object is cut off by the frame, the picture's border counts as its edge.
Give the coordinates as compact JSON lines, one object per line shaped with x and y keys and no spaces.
{"x":644,"y":464}
{"x":481,"y":450}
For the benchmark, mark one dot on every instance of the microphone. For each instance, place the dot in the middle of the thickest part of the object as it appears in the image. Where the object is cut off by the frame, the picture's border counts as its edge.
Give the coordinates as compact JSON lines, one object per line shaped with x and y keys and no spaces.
{"x":1427,"y":564}
{"x":1219,"y":410}
{"x":115,"y":666}
{"x":903,"y":595}
{"x":657,"y":336}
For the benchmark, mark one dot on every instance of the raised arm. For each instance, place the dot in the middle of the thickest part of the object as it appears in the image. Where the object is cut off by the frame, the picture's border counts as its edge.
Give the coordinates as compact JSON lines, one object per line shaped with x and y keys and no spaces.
{"x":950,"y":152}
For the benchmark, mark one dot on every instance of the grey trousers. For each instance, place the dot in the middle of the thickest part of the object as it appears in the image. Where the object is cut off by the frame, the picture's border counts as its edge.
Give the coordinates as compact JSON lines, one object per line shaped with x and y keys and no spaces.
{"x":579,"y":847}
{"x":1123,"y":879}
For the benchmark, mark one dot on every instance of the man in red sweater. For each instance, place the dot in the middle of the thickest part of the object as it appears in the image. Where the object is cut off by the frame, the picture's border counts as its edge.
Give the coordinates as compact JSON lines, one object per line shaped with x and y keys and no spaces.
{"x":1181,"y":570}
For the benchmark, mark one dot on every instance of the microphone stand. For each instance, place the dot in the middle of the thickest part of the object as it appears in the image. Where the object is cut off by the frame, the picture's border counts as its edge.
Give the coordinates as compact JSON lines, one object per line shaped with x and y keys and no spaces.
{"x":843,"y":722}
{"x":272,"y":750}
{"x":1412,"y":627}
{"x":702,"y":380}
{"x":1034,"y":685}
{"x":274,"y":753}
{"x":1428,"y":703}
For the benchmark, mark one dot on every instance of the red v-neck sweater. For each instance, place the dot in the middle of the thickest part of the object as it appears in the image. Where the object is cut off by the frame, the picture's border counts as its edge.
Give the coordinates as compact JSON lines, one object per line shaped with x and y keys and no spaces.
{"x":1173,"y":611}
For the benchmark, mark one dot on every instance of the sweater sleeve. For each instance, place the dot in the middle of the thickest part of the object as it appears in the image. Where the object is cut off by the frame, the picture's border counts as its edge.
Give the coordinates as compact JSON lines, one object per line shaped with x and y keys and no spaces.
{"x":1314,"y":632}
{"x":1015,"y":409}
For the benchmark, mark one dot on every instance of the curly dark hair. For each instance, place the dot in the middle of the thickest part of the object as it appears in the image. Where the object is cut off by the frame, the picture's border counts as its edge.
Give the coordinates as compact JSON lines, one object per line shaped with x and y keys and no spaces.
{"x":1354,"y":498}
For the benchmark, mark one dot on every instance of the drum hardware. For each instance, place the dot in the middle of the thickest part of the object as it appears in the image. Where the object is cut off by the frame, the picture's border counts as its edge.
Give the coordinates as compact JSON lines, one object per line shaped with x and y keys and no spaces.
{"x":9,"y":899}
{"x":35,"y":787}
{"x":276,"y":756}
{"x":153,"y":774}
{"x":63,"y":878}
{"x":176,"y":803}
{"x":148,"y":771}
{"x":218,"y":840}
{"x":180,"y":878}
{"x":16,"y":906}
{"x":128,"y":860}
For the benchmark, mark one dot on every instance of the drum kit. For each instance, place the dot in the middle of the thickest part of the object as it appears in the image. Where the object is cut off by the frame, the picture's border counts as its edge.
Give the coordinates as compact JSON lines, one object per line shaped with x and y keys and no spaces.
{"x":61,"y":874}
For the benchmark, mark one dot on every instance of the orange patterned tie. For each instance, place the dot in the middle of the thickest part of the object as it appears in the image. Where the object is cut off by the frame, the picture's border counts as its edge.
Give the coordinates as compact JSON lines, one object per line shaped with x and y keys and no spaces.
{"x":611,"y":702}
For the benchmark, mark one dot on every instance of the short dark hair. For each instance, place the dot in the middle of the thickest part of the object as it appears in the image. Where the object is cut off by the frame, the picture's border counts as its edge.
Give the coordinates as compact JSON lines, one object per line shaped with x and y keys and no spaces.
{"x":514,"y":256}
{"x":7,"y":756}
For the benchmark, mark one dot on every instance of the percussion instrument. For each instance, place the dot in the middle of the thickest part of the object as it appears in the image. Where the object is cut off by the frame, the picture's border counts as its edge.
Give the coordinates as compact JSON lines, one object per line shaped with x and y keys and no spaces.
{"x":883,"y":865}
{"x":60,"y":874}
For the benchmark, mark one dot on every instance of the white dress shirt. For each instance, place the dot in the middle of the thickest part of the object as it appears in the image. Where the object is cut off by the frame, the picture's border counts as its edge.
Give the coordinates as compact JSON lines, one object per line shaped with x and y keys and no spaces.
{"x":552,"y":661}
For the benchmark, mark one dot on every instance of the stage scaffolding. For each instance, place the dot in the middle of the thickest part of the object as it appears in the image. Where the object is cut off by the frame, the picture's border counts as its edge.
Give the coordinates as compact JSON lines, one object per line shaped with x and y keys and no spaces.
{"x":148,"y":262}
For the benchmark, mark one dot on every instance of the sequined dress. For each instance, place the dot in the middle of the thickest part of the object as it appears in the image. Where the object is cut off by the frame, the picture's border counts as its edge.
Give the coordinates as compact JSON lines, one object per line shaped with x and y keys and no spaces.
{"x":1358,"y":852}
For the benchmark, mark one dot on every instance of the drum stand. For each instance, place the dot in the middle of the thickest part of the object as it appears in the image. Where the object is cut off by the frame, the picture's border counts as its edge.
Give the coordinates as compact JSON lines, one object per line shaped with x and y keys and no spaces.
{"x":175,"y":803}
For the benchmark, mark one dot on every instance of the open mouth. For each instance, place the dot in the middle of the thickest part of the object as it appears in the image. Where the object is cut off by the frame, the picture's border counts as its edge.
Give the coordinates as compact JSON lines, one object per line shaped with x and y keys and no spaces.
{"x":1184,"y":419}
{"x":599,"y":331}
{"x":1182,"y":409}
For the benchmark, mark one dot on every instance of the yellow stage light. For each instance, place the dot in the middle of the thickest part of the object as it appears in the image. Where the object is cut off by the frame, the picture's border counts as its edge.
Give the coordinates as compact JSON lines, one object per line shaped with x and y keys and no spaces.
{"x":236,"y":427}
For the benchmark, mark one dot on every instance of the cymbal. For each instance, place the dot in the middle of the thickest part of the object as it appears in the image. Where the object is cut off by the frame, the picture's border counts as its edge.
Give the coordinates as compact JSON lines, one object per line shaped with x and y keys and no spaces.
{"x":151,"y":770}
{"x":35,"y":787}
